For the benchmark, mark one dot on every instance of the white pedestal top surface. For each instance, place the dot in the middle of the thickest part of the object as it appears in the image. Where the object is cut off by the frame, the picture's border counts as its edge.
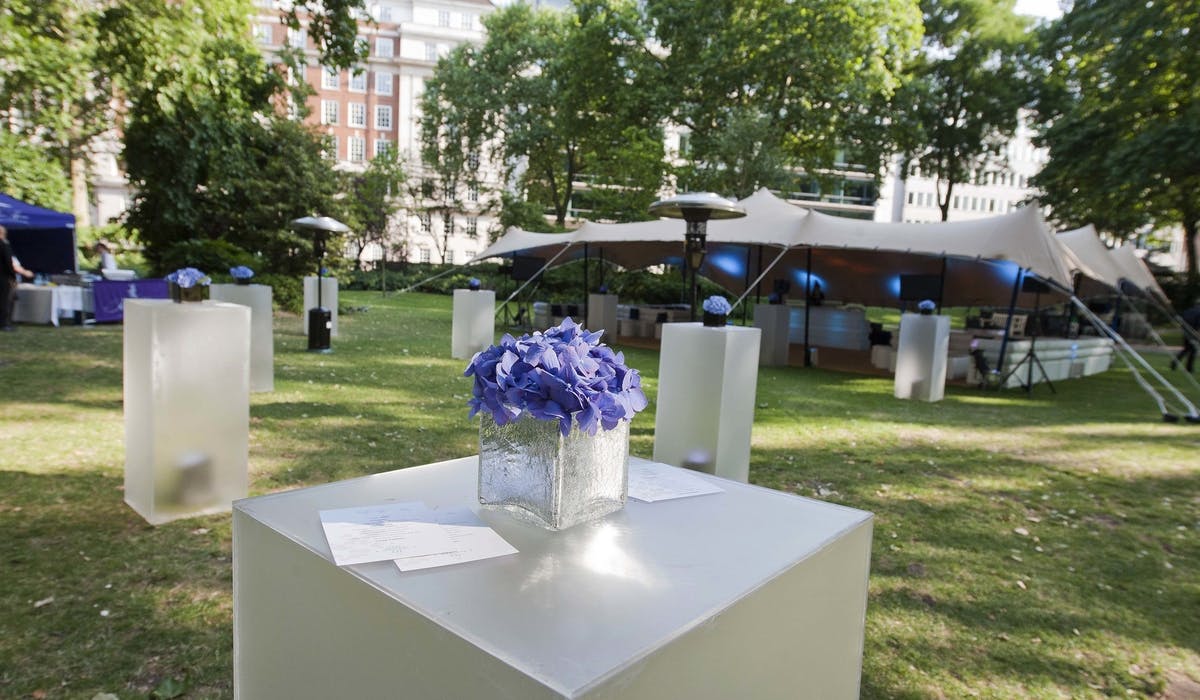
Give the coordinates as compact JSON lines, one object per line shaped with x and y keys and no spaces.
{"x":577,"y":606}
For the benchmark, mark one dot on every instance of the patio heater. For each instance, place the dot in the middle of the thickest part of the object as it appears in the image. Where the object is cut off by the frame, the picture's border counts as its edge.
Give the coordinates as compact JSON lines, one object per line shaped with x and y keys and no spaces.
{"x":696,"y":208}
{"x":320,"y":319}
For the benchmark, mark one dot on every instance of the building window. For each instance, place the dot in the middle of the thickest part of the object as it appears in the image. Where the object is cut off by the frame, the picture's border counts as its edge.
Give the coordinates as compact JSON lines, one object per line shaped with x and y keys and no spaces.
{"x":356,"y":148}
{"x":424,"y":255}
{"x":383,"y":117}
{"x":382,"y":146}
{"x":473,"y":192}
{"x":296,"y":38}
{"x":473,"y":226}
{"x":468,"y":20}
{"x":443,"y":18}
{"x":357,"y":115}
{"x":262,"y":32}
{"x":956,"y":198}
{"x":358,"y":80}
{"x":910,"y":197}
{"x":383,"y":47}
{"x":385,"y":13}
{"x":473,"y":160}
{"x":329,"y":78}
{"x":447,"y":223}
{"x":383,"y":83}
{"x":430,"y":52}
{"x":329,"y":112}
{"x":426,"y":224}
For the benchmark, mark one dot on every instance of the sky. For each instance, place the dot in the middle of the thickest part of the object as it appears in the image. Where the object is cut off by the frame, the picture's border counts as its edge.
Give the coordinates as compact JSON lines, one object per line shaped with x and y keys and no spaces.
{"x":1048,"y":9}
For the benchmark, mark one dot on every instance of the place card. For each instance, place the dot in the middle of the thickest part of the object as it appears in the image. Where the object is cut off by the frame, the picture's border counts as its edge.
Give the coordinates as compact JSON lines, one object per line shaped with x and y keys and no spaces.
{"x":378,"y":533}
{"x":472,"y":538}
{"x":652,"y":481}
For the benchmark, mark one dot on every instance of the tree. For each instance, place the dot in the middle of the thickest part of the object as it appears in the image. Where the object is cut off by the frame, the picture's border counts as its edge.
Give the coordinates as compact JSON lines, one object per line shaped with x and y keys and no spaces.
{"x":764,"y":86}
{"x":208,"y":153}
{"x":962,"y":105}
{"x":371,"y":202}
{"x":1120,"y":115}
{"x":31,"y":174}
{"x":553,"y":97}
{"x":51,"y":90}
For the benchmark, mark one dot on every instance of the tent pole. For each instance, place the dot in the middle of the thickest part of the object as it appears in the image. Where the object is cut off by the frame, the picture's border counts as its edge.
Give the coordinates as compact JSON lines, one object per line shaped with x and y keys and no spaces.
{"x":746,"y":286}
{"x":527,"y":282}
{"x":1012,"y":305}
{"x":586,"y":288}
{"x":758,"y":284}
{"x":807,"y":304}
{"x":942,"y":285}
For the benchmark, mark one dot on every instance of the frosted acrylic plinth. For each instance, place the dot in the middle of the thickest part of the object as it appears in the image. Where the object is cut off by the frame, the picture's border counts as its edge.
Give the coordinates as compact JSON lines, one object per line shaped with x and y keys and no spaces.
{"x":530,"y":470}
{"x":706,"y":383}
{"x":747,"y":593}
{"x":602,"y":315}
{"x":772,"y":320}
{"x":262,"y":332}
{"x":921,"y":357}
{"x":329,"y":300}
{"x":474,"y":325}
{"x":187,"y":407}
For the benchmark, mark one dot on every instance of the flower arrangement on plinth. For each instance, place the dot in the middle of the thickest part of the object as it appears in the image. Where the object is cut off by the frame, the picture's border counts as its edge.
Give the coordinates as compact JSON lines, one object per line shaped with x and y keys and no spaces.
{"x":926,"y":307}
{"x":473,"y":284}
{"x":716,"y":309}
{"x":554,"y":432}
{"x":188,"y":284}
{"x":241,"y":274}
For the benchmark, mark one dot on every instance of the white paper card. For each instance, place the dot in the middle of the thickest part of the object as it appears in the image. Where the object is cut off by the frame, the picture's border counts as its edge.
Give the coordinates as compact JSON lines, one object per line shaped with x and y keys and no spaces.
{"x":472,"y":538}
{"x":651,"y":481}
{"x":377,"y":533}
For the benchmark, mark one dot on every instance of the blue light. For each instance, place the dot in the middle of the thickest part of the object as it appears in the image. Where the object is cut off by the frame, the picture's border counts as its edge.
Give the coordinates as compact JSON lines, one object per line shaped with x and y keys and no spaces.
{"x":893,"y":286}
{"x":729,"y":263}
{"x":1006,"y":272}
{"x":801,"y":280}
{"x":676,"y":260}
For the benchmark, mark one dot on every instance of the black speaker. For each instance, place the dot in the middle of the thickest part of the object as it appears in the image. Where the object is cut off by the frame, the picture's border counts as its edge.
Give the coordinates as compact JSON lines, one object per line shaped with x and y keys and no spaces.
{"x":320,"y":326}
{"x":920,"y":287}
{"x":1033,"y":285}
{"x":525,"y":267}
{"x":781,"y":286}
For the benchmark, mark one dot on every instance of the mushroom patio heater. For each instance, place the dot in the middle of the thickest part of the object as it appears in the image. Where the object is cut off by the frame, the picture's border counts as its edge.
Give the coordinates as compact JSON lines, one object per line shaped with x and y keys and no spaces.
{"x":696,"y":208}
{"x":320,"y":319}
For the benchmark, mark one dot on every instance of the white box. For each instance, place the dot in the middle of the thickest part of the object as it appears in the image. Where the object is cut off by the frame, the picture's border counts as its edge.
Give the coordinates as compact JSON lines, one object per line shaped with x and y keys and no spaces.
{"x":773,"y":320}
{"x":921,"y":357}
{"x":329,"y":300}
{"x":602,"y":315}
{"x":707,"y":378}
{"x":262,"y":331}
{"x":749,"y":593}
{"x":474,"y":324}
{"x":187,"y":407}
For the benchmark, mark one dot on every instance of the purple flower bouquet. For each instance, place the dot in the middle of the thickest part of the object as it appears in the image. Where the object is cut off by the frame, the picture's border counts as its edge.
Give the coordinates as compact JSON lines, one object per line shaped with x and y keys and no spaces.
{"x":716,"y":310}
{"x":188,"y":284}
{"x":554,"y":433}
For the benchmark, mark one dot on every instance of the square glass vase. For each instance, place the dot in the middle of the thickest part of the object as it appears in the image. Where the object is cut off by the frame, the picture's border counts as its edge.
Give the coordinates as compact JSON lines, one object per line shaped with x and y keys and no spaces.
{"x":530,"y":470}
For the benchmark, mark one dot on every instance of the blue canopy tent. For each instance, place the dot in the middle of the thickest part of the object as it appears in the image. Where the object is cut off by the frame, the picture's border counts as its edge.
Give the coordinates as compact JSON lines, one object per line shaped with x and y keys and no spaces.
{"x":43,"y":239}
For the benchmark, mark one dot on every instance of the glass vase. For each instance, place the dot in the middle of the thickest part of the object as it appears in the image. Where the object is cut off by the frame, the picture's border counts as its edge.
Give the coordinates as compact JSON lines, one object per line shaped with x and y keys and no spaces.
{"x":530,"y":470}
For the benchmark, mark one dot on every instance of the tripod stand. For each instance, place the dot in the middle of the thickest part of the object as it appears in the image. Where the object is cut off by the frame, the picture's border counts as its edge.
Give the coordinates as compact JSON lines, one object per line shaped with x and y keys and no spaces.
{"x":1031,"y":359}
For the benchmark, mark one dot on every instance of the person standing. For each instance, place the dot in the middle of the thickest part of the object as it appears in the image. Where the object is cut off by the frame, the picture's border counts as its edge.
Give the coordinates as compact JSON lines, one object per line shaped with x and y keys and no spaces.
{"x":1191,"y":326}
{"x":8,"y":282}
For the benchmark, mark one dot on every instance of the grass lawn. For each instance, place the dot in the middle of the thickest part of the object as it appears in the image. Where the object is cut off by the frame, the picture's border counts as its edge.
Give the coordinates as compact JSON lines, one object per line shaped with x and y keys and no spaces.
{"x":1025,"y":545}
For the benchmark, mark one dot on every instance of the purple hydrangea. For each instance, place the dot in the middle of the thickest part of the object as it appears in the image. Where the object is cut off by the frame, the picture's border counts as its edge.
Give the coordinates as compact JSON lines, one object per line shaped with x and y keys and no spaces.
{"x":717,"y":305}
{"x":241,"y":272}
{"x":188,"y":277}
{"x":926,"y":305}
{"x":564,"y":374}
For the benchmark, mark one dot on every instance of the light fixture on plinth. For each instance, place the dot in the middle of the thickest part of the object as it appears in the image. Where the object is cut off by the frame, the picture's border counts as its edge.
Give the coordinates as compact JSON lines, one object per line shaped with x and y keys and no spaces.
{"x":696,"y":208}
{"x":320,"y":319}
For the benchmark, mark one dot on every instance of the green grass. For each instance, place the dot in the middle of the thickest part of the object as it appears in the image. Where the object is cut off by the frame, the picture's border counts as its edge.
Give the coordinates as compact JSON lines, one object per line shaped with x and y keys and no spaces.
{"x":1025,"y":545}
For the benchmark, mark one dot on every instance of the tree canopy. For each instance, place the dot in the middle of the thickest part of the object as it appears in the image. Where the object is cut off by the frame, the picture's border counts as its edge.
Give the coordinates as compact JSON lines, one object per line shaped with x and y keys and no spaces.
{"x":1120,"y":109}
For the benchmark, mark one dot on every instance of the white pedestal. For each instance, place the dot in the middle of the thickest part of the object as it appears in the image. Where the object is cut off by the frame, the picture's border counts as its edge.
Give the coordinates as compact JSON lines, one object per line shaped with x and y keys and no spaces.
{"x":773,"y":320}
{"x":602,"y":315}
{"x":329,"y":300}
{"x":707,"y":378}
{"x":187,"y":407}
{"x":749,"y":593}
{"x":474,"y":326}
{"x":262,"y":332}
{"x":35,"y":304}
{"x":921,"y":357}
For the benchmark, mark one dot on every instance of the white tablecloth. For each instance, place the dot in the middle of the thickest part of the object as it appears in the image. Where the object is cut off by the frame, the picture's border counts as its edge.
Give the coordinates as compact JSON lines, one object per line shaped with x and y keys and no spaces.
{"x":45,"y":304}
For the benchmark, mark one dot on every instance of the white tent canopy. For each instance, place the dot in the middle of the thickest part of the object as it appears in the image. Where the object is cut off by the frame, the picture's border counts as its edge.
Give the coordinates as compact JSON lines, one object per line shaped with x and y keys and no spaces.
{"x":1133,"y":270}
{"x":855,"y":260}
{"x":1095,"y":257}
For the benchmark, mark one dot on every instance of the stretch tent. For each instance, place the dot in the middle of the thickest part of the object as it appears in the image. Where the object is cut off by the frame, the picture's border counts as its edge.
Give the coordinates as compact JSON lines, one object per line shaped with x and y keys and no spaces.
{"x":1134,"y":271}
{"x":1097,"y":261}
{"x":855,"y":260}
{"x":43,"y":239}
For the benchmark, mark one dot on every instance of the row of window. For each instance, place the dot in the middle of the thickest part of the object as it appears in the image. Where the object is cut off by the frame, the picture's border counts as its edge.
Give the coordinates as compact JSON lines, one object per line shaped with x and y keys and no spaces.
{"x":387,"y":13}
{"x":356,"y":149}
{"x":357,"y":115}
{"x":470,"y":228}
{"x":384,"y":47}
{"x":1004,"y":178}
{"x":455,"y":256}
{"x":962,"y":203}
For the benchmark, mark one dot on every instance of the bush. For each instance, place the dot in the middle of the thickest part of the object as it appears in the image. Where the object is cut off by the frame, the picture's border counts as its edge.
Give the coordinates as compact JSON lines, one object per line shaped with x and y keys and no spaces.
{"x":288,"y":291}
{"x":212,"y":257}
